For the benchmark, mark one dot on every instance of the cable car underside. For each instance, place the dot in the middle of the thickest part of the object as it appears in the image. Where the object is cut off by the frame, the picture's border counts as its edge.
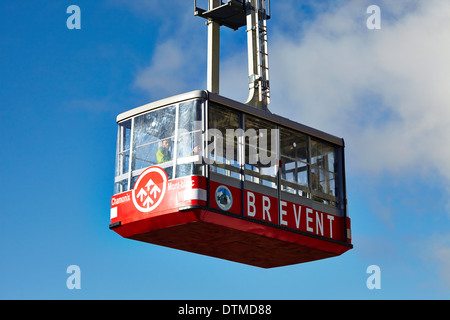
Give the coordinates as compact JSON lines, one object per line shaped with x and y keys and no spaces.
{"x":212,"y":234}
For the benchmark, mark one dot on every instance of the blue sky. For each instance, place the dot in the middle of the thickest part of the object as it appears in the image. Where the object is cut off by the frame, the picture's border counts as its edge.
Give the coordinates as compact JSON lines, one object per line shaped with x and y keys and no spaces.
{"x":385,"y":91}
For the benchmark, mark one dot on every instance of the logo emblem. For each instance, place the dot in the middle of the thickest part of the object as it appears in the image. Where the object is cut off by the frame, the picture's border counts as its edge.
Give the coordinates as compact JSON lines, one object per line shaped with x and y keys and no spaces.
{"x":149,"y":189}
{"x":224,"y":198}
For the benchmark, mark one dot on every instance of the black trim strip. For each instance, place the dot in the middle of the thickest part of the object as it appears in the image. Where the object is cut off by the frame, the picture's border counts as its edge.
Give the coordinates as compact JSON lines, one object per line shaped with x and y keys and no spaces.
{"x":115,"y":225}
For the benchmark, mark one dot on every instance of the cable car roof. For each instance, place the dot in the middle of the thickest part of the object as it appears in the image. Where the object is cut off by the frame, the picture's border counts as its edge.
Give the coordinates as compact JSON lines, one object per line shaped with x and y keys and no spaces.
{"x":204,"y":94}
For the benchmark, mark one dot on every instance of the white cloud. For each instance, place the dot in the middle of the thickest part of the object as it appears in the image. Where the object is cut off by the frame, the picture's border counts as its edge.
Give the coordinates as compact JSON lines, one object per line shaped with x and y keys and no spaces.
{"x":179,"y":57}
{"x":386,"y":91}
{"x":435,"y":252}
{"x":442,"y":255}
{"x":172,"y":70}
{"x":234,"y":76}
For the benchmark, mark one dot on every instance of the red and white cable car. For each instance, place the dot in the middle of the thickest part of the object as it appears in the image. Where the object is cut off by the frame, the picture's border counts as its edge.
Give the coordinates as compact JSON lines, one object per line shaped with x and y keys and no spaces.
{"x":238,"y":183}
{"x":206,"y":174}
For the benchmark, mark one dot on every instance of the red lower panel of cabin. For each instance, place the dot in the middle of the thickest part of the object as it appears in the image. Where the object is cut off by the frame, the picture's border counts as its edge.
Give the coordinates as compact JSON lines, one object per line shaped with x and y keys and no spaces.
{"x":175,"y":214}
{"x":213,"y":234}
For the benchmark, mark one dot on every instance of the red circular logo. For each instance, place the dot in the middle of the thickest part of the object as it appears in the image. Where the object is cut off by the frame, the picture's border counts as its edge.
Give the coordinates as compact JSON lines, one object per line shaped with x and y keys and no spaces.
{"x":149,"y":189}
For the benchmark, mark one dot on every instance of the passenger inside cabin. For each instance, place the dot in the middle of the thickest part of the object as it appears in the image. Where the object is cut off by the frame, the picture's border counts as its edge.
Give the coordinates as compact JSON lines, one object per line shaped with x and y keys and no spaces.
{"x":164,"y":154}
{"x":316,"y":186}
{"x":196,"y":167}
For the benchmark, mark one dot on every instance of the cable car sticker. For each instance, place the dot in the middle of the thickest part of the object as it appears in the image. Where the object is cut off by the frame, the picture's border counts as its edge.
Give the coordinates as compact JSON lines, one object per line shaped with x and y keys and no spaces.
{"x":224,"y":198}
{"x":149,"y":190}
{"x":293,"y":216}
{"x":180,"y":192}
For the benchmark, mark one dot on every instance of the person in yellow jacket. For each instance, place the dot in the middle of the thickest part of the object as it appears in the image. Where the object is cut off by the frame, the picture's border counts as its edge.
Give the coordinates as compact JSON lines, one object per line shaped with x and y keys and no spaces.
{"x":163,"y":154}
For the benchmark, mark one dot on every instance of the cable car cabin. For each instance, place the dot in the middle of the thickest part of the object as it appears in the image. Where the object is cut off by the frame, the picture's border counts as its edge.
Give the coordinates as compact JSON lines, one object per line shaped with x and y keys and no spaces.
{"x":205,"y":174}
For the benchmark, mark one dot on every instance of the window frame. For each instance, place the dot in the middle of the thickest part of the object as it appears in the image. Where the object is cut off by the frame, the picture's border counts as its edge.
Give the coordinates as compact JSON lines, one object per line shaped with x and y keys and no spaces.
{"x":131,"y":174}
{"x":248,"y":174}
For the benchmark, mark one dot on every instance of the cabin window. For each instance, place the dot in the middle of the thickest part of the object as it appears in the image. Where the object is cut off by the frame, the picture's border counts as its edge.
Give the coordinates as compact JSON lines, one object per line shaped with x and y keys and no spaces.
{"x":261,"y":143}
{"x":294,"y":162}
{"x":153,"y":137}
{"x":223,"y":141}
{"x":323,"y":170}
{"x":122,"y":156}
{"x":161,"y":137}
{"x":189,"y":139}
{"x":308,"y":167}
